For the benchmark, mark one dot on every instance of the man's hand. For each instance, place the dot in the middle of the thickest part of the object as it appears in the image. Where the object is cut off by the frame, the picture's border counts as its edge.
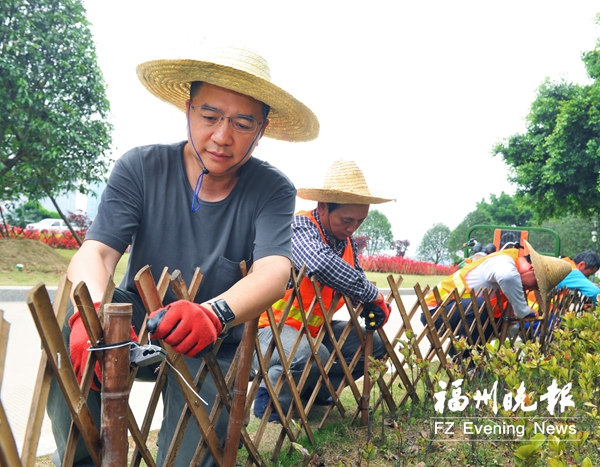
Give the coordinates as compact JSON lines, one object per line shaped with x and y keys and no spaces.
{"x":533,"y":315}
{"x":78,"y":347}
{"x":376,"y":313}
{"x":189,"y":328}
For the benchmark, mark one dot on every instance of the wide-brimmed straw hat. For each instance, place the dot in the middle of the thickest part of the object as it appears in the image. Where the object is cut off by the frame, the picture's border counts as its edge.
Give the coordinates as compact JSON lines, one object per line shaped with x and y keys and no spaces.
{"x":344,"y":184}
{"x":549,"y":271}
{"x":237,"y":69}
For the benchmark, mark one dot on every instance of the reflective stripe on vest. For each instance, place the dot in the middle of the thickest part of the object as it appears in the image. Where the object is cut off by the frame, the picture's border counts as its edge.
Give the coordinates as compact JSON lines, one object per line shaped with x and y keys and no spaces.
{"x":532,"y":301}
{"x":307,"y":292}
{"x":458,"y":281}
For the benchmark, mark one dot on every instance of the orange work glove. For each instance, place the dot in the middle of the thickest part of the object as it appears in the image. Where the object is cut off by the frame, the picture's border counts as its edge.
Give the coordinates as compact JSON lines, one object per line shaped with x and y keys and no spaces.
{"x":188,"y":327}
{"x":79,"y":344}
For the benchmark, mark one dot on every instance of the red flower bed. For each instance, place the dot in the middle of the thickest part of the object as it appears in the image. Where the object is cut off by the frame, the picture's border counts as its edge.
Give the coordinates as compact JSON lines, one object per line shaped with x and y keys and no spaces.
{"x":64,"y":240}
{"x":400,"y":265}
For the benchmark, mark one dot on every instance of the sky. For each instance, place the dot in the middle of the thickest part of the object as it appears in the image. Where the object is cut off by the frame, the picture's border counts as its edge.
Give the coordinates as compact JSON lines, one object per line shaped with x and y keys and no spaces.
{"x":416,"y":93}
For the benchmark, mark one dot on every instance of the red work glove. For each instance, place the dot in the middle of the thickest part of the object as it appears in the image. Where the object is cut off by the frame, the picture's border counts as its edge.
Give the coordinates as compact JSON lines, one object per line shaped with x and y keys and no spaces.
{"x":79,"y":343}
{"x":376,"y":313}
{"x":189,"y":328}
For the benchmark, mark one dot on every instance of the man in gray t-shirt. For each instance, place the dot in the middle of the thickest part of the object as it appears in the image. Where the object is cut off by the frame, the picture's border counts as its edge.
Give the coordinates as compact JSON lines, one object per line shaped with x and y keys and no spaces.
{"x":204,"y":202}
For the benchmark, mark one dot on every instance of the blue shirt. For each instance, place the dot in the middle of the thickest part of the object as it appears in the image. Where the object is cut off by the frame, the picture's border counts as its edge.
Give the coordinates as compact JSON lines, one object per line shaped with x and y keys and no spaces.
{"x":576,"y":280}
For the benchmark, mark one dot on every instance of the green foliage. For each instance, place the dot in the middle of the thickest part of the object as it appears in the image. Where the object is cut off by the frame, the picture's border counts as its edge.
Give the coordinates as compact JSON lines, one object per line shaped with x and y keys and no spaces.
{"x":575,"y":234}
{"x":409,"y":436}
{"x":500,"y":210}
{"x":400,"y":246}
{"x":27,"y":213}
{"x":556,"y":163}
{"x":571,"y":360}
{"x":458,"y":235}
{"x":53,"y":131}
{"x":506,"y":210}
{"x":434,"y":245}
{"x":305,"y":453}
{"x":379,"y":230}
{"x":528,"y":454}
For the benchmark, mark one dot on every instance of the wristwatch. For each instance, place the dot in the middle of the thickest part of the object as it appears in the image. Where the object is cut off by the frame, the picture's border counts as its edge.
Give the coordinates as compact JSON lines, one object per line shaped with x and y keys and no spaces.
{"x":224,"y":313}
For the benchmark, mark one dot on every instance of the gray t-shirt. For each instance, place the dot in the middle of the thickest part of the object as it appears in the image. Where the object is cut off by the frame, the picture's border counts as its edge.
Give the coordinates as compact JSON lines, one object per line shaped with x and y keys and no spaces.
{"x":500,"y":272}
{"x":147,"y":205}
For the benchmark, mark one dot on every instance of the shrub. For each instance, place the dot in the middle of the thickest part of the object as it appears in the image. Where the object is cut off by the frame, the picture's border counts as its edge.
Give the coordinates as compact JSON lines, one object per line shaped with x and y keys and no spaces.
{"x":401,"y":265}
{"x":64,"y":240}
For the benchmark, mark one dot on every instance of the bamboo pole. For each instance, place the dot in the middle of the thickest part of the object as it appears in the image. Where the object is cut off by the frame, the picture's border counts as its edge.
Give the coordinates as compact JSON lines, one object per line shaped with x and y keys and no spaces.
{"x":366,"y":395}
{"x":115,"y":387}
{"x":240,"y":390}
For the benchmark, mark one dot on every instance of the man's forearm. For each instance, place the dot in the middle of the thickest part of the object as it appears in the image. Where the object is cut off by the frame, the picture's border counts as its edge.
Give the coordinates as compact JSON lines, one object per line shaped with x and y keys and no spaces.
{"x":93,"y":264}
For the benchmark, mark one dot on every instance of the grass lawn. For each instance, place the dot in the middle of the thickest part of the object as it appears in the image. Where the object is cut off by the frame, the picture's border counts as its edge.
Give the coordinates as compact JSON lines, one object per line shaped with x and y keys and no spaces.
{"x":22,"y":278}
{"x":119,"y":271}
{"x":31,"y":276}
{"x":45,"y":264}
{"x":409,"y":281}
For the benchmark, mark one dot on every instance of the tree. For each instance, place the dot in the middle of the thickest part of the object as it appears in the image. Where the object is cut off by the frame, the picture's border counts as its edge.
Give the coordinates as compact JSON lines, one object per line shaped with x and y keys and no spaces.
{"x":556,"y":163}
{"x":53,"y":128}
{"x":361,"y":243}
{"x":434,"y":245}
{"x":507,"y":210}
{"x":379,"y":230}
{"x":575,"y":234}
{"x":27,"y":213}
{"x":501,"y":210}
{"x":400,"y":246}
{"x":80,"y":220}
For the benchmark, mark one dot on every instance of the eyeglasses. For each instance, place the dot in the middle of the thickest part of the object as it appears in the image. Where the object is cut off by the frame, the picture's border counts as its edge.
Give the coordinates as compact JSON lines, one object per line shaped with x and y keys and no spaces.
{"x":212,"y":117}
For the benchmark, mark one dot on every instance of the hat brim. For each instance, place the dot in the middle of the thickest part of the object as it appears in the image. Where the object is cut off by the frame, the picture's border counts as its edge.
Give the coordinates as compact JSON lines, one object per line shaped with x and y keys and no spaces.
{"x":340,"y":197}
{"x":542,"y":281}
{"x":540,"y":270}
{"x":169,"y":80}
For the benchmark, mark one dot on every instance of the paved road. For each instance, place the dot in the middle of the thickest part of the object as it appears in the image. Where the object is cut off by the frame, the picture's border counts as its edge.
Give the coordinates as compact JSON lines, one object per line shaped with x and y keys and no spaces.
{"x":23,"y":356}
{"x":18,"y":294}
{"x":20,"y":370}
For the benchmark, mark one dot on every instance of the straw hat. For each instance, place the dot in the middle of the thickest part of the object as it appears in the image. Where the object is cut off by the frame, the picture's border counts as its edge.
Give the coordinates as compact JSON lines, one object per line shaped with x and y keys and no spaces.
{"x":344,"y":184}
{"x":548,"y":271}
{"x":239,"y":70}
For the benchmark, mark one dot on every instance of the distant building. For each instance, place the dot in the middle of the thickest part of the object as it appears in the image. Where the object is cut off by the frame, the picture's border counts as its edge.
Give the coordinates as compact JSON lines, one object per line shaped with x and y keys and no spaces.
{"x":66,"y":203}
{"x":92,"y":201}
{"x":73,"y":201}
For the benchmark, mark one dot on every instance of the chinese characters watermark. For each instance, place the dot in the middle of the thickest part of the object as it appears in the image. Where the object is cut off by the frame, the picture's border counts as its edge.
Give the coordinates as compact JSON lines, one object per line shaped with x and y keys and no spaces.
{"x":458,"y":401}
{"x":557,"y":399}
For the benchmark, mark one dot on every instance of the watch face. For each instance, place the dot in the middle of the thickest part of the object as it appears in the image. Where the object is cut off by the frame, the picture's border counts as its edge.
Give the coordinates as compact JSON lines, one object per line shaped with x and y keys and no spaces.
{"x":225,"y":315}
{"x":223,"y":311}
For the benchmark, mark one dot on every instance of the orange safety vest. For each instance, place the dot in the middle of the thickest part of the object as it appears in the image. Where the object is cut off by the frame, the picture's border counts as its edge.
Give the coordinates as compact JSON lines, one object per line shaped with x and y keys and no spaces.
{"x":570,"y":261}
{"x":458,"y":280}
{"x":532,"y":301}
{"x":307,"y":292}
